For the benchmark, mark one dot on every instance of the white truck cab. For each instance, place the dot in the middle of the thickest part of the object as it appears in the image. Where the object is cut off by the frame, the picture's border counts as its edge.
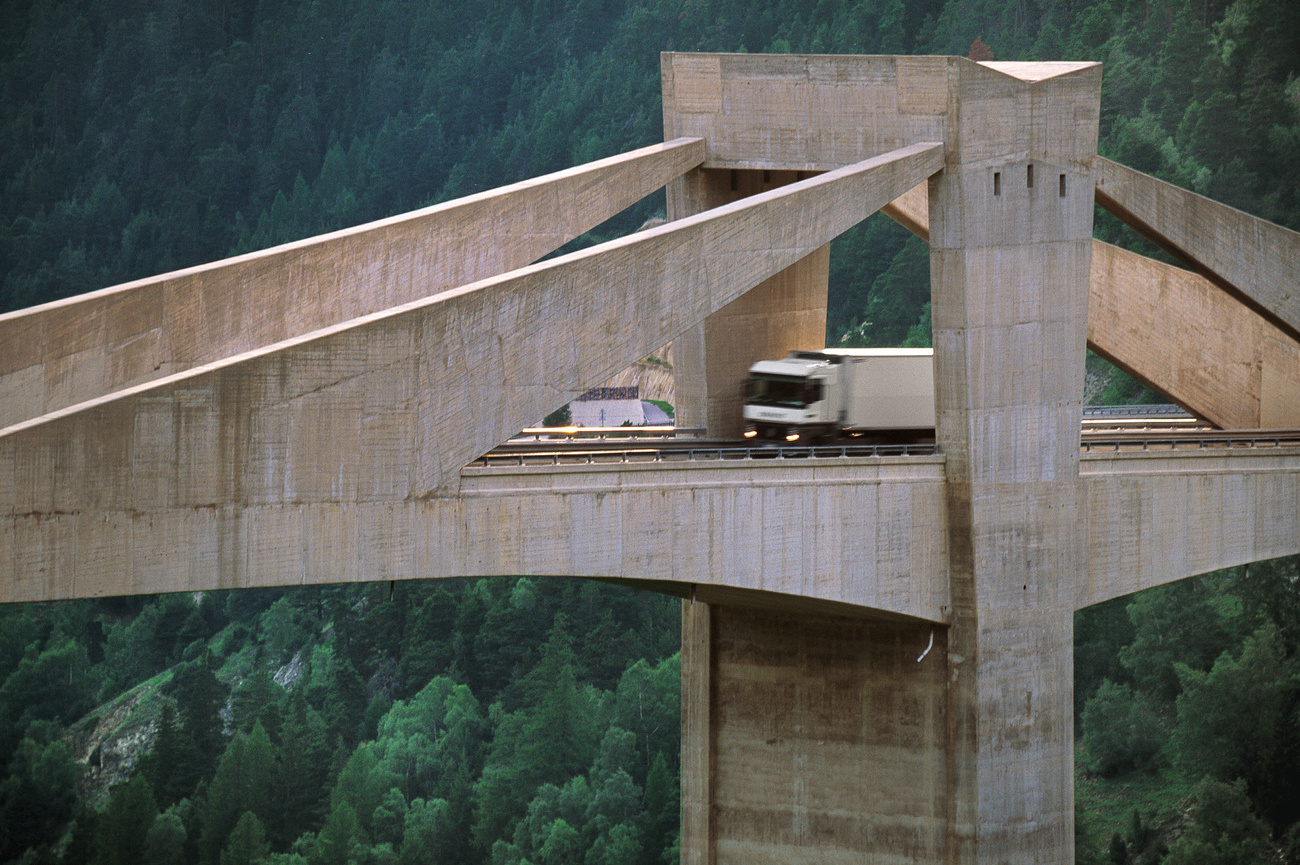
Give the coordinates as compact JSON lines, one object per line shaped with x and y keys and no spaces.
{"x":814,"y":395}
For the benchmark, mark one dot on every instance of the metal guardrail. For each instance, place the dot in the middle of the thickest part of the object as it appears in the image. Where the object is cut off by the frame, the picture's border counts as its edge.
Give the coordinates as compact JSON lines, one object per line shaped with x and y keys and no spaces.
{"x":703,"y":453}
{"x":674,"y":443}
{"x":1237,"y":441}
{"x":1133,"y":411}
{"x":605,"y":433}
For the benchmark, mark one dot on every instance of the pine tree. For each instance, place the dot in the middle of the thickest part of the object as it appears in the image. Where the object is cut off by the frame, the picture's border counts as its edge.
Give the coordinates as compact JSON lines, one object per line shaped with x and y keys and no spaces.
{"x":300,"y":775}
{"x":242,"y":783}
{"x":124,"y":827}
{"x":201,"y":698}
{"x":247,"y":842}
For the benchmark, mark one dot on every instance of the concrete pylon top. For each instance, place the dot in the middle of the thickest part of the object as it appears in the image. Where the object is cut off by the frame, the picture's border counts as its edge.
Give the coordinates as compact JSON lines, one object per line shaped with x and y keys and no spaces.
{"x":1036,"y":70}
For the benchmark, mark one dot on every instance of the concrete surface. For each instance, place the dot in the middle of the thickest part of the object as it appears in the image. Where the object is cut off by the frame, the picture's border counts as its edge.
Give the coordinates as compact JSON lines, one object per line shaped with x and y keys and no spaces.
{"x":1257,"y":261}
{"x":81,"y":348}
{"x":381,"y":411}
{"x":1178,"y":333}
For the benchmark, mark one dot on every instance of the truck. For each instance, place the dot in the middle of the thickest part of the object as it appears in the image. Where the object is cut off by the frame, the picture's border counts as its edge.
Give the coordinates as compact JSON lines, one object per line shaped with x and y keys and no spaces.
{"x":820,"y":395}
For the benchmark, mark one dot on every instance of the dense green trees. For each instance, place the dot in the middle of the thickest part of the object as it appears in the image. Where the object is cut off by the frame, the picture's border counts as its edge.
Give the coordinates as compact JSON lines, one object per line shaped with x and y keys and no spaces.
{"x":1201,"y":709}
{"x":291,"y":735}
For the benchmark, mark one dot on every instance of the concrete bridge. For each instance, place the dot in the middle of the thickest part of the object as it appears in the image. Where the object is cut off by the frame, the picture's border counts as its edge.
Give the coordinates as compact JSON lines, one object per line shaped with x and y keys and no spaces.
{"x":877,"y":652}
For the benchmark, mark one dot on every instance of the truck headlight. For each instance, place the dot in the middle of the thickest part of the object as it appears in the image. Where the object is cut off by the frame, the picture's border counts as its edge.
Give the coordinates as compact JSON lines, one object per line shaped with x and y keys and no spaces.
{"x":792,"y":437}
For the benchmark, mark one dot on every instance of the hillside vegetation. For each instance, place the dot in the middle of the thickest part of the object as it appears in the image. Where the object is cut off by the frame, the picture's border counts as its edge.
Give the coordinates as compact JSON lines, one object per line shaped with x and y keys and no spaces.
{"x":519,"y":720}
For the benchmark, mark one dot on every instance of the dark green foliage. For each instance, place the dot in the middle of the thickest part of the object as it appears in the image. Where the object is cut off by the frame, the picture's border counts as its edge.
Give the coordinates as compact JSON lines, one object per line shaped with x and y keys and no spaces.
{"x":1238,"y":722}
{"x":562,"y":416}
{"x":247,"y":842}
{"x":123,"y":830}
{"x":1122,"y":732}
{"x":1224,"y":830}
{"x":1184,"y":622}
{"x":242,"y":784}
{"x":52,"y":682}
{"x":37,"y":796}
{"x":165,"y":843}
{"x":300,"y":773}
{"x":1209,"y":693}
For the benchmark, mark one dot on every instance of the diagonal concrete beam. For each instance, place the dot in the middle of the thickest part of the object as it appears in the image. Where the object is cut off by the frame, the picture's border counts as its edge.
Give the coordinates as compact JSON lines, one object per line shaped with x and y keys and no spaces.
{"x":1176,"y":332}
{"x":1253,"y":259}
{"x":387,"y":409}
{"x":63,"y":353}
{"x":1180,"y":334}
{"x":1156,"y":518}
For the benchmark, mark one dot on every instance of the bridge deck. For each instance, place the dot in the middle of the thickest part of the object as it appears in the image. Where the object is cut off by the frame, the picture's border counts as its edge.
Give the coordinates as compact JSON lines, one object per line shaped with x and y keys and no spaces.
{"x":1158,"y":517}
{"x":780,"y":526}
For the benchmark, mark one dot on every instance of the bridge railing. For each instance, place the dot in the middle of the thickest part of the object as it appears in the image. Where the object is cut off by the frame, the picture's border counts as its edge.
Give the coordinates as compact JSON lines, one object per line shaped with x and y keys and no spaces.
{"x":1205,"y":440}
{"x":703,"y":452}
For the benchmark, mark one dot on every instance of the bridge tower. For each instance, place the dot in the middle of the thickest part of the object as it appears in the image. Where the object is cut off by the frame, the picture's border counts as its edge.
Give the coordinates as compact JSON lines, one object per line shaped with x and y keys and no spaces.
{"x":815,"y":738}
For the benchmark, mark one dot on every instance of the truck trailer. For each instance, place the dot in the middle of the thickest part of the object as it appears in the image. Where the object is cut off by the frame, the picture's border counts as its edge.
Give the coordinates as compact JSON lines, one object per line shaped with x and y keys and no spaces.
{"x":814,"y":396}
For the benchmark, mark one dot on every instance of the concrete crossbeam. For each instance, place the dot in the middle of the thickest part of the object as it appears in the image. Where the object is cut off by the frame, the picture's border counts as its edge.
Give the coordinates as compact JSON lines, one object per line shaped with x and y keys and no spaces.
{"x":861,"y":532}
{"x":803,"y":113}
{"x":390,"y":407}
{"x":1177,"y":332}
{"x":63,"y":353}
{"x":1257,"y":261}
{"x":1155,"y":518}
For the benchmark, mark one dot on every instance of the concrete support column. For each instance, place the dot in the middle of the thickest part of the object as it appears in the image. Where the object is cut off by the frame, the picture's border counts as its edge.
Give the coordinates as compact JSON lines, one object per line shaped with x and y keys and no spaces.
{"x":783,"y":313}
{"x":811,"y":738}
{"x":697,"y":733}
{"x":1010,"y":235}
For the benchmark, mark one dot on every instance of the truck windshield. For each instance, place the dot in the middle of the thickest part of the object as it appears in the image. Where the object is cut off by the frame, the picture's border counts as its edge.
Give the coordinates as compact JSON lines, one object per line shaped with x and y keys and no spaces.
{"x":785,"y":391}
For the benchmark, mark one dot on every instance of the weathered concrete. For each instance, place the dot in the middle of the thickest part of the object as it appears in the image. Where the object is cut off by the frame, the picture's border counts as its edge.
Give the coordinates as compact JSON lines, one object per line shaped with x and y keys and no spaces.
{"x":1010,"y":271}
{"x":1188,"y":339}
{"x":388,"y":408}
{"x":875,"y":527}
{"x":1178,"y":333}
{"x":824,"y":737}
{"x":1010,"y":238}
{"x":63,"y":353}
{"x":1155,"y":518}
{"x":1257,"y":261}
{"x":784,"y":313}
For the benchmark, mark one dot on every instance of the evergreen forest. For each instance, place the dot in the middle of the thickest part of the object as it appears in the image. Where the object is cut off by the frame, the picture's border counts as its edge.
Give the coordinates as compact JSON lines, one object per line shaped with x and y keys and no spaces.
{"x":525,"y":720}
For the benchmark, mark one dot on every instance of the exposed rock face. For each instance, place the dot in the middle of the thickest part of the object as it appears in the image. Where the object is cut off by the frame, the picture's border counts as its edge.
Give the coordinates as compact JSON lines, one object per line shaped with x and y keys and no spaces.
{"x":111,"y":740}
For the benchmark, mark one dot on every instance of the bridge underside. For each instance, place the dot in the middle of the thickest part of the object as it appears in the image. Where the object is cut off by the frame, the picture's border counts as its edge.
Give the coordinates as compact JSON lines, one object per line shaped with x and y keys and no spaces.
{"x":876,"y":652}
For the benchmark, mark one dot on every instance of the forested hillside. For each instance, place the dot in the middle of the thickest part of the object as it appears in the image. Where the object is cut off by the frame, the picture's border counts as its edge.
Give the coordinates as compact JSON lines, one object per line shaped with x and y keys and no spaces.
{"x":512,"y":721}
{"x":498,"y":721}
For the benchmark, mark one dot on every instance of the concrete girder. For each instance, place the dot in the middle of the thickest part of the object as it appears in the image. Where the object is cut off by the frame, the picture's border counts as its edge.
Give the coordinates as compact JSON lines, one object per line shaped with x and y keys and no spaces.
{"x":1182,"y":335}
{"x":1177,"y":332}
{"x":1253,"y":259}
{"x":387,"y":408}
{"x":1156,"y":518}
{"x":69,"y":351}
{"x":691,"y":523}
